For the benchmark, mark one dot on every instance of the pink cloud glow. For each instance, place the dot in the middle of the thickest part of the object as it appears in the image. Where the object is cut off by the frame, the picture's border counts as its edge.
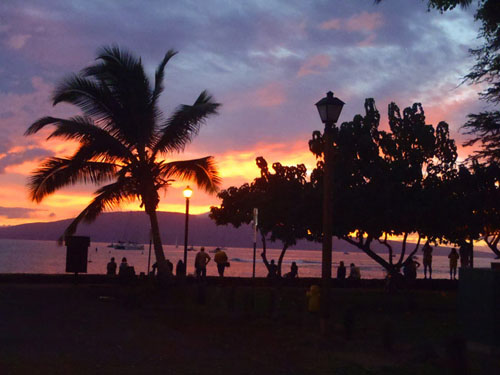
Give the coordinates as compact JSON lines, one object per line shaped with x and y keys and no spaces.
{"x":363,"y":22}
{"x":314,"y":65}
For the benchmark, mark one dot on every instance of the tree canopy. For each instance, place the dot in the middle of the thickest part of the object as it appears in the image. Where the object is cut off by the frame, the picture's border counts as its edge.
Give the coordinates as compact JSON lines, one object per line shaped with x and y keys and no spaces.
{"x":281,"y":198}
{"x":379,"y":179}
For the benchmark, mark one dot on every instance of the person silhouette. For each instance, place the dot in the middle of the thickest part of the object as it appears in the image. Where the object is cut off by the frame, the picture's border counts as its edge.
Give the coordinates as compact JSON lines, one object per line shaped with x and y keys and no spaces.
{"x":294,"y":271}
{"x":354,"y":273}
{"x":220,"y":258}
{"x":111,"y":267}
{"x":200,"y":263}
{"x":341,"y":271}
{"x":427,"y":261}
{"x":180,"y":270}
{"x":272,"y":270}
{"x":453,"y":256}
{"x":123,"y":266}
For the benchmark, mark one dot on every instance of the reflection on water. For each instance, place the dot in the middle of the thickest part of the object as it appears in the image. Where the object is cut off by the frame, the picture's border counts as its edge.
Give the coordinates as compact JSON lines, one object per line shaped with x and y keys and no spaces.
{"x":25,"y":256}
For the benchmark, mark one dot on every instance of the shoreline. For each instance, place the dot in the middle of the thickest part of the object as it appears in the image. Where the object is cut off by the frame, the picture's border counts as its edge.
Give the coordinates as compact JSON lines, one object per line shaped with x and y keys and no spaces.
{"x":305,"y":282}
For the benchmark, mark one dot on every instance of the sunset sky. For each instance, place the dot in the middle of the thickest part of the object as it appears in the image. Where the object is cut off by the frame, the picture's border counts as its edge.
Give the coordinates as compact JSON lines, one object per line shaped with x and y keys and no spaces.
{"x":267,"y":62}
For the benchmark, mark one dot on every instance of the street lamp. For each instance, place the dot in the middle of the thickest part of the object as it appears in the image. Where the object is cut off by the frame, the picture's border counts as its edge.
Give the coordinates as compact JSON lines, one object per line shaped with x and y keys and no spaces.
{"x":329,"y":109}
{"x":187,"y":194}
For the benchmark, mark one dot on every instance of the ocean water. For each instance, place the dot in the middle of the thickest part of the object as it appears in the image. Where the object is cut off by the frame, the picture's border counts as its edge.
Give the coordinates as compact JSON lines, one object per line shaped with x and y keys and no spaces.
{"x":27,"y":256}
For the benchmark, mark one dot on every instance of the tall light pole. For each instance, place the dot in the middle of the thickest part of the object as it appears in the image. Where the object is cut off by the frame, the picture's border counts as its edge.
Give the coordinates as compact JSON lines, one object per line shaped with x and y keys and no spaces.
{"x":187,"y":194}
{"x":329,"y":109}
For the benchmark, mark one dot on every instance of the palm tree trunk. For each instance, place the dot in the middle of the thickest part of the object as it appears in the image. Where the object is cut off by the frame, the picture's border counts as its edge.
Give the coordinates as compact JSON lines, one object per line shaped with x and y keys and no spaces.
{"x":155,"y":232}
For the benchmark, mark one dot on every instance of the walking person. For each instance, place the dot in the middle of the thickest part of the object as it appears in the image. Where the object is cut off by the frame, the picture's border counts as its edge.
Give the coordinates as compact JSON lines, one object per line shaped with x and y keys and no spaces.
{"x":427,"y":250}
{"x":200,"y":263}
{"x":111,"y":267}
{"x":453,"y":256}
{"x":220,"y":258}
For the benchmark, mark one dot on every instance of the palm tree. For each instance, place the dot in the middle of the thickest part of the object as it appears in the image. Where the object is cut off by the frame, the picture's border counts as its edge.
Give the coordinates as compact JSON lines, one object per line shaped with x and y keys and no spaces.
{"x":123,"y":139}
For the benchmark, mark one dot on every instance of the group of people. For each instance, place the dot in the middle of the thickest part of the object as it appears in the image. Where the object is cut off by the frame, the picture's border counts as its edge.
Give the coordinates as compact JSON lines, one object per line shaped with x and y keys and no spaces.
{"x":202,"y":259}
{"x":220,"y":258}
{"x":354,"y":272}
{"x":464,"y":254}
{"x":124,"y":269}
{"x":200,"y":265}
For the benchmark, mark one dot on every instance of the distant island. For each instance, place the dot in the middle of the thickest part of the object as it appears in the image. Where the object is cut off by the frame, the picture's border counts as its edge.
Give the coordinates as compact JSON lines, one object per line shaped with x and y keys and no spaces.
{"x":134,"y":226}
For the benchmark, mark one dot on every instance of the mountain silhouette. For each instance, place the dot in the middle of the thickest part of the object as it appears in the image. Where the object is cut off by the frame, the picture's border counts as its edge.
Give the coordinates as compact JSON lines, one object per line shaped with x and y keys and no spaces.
{"x":134,"y":226}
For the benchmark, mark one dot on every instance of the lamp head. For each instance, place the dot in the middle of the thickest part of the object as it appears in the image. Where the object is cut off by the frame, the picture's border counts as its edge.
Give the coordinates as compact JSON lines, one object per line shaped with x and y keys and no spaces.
{"x":329,"y":108}
{"x":187,"y":192}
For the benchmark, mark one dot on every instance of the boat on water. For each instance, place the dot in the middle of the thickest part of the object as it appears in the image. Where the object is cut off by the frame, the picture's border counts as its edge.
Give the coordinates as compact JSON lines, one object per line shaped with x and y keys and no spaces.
{"x":129,"y":245}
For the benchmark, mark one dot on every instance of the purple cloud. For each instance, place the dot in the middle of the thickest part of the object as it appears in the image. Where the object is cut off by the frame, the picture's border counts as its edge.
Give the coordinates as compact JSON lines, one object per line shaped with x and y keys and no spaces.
{"x":17,"y":212}
{"x":276,"y":58}
{"x":15,"y":158}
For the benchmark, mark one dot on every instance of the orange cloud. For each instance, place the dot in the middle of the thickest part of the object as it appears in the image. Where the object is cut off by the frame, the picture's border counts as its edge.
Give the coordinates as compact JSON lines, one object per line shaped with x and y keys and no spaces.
{"x":313,"y":65}
{"x":236,"y":167}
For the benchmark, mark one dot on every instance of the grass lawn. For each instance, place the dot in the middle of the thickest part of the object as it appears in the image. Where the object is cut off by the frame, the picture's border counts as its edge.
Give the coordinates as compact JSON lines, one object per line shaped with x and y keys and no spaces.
{"x":100,"y":329}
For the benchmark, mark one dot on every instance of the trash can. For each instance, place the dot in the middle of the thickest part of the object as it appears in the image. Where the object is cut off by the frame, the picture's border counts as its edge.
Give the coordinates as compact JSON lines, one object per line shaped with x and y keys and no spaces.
{"x":76,"y":253}
{"x":479,"y":304}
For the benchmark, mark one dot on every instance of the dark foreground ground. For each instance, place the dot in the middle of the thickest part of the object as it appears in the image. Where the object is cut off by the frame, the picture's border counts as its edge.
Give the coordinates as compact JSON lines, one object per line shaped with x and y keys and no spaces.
{"x":139,"y":329}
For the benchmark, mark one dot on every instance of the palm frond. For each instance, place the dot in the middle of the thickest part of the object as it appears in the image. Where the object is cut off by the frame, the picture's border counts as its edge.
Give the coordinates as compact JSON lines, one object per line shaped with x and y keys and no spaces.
{"x":185,"y":123}
{"x":89,"y":96}
{"x":122,"y":73}
{"x":106,"y":199}
{"x":55,"y":173}
{"x":202,"y":171}
{"x":83,"y":130}
{"x":159,"y":75}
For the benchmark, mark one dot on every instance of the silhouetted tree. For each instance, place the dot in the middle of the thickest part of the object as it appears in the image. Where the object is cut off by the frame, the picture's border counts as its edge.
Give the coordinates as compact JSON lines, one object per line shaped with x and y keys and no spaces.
{"x":122,"y":138}
{"x":279,"y":196}
{"x":484,"y":127}
{"x":475,"y":205}
{"x":379,"y":178}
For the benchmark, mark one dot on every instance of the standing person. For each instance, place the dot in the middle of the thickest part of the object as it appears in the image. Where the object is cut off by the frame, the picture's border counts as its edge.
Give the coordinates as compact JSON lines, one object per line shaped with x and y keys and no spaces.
{"x":200,"y":263}
{"x":341,"y":270}
{"x":427,"y":250}
{"x":111,"y":267}
{"x":453,"y":256}
{"x":272,"y":270}
{"x":220,"y":258}
{"x":354,"y":272}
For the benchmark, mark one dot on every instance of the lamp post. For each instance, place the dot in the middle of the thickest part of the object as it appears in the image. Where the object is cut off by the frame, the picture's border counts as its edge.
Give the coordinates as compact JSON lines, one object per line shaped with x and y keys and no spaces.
{"x":187,"y":194}
{"x":329,"y":109}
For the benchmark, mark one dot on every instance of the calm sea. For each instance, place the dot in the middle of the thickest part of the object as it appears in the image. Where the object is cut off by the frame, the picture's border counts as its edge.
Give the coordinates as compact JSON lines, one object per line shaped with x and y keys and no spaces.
{"x":26,"y":256}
